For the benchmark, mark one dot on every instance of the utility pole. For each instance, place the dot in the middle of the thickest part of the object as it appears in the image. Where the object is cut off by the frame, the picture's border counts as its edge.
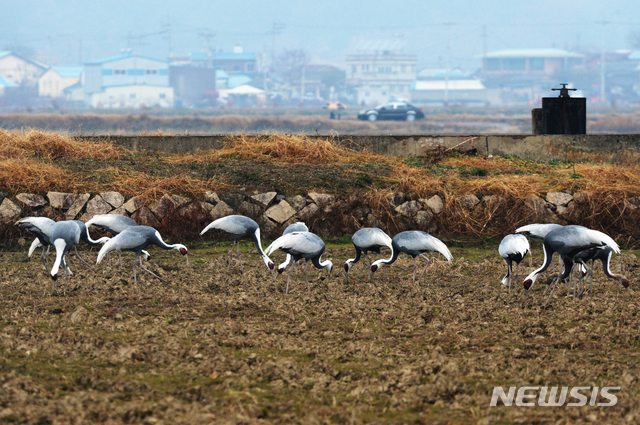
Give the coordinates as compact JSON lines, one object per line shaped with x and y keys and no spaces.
{"x":207,"y":36}
{"x":275,"y":30}
{"x":603,"y":92}
{"x":446,"y":73}
{"x":167,"y":27}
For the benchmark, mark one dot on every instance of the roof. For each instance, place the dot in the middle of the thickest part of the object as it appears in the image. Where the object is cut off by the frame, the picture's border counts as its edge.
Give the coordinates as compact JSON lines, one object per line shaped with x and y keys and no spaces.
{"x":5,"y":83}
{"x":534,"y":53}
{"x":634,"y":56}
{"x":5,"y":53}
{"x":71,"y":88}
{"x":237,"y":80}
{"x":441,"y":73}
{"x":120,"y":57}
{"x":245,"y":89}
{"x":68,"y":71}
{"x":222,"y":56}
{"x":453,"y":85}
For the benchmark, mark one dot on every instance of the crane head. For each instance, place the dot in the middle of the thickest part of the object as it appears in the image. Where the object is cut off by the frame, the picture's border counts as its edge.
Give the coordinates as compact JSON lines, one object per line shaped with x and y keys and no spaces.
{"x":280,"y":270}
{"x":54,"y":277}
{"x":527,"y":284}
{"x":374,"y":267}
{"x":183,"y":250}
{"x":347,"y":266}
{"x":624,"y":281}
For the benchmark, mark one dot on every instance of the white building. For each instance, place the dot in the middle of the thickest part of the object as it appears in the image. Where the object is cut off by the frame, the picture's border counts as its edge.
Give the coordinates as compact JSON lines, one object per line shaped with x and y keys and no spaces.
{"x":53,"y":82}
{"x":381,"y":76}
{"x":127,"y":81}
{"x":20,"y":71}
{"x":4,"y":84}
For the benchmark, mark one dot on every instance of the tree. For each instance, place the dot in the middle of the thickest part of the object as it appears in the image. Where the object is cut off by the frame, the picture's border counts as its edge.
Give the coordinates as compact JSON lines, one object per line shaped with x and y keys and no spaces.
{"x":289,"y":65}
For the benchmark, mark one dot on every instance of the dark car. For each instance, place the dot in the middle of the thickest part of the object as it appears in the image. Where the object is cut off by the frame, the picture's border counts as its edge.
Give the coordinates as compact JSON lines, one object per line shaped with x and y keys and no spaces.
{"x":392,"y":111}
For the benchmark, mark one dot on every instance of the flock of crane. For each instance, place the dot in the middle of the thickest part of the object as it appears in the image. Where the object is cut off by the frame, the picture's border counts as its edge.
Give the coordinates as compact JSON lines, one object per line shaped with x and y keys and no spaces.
{"x":576,"y":246}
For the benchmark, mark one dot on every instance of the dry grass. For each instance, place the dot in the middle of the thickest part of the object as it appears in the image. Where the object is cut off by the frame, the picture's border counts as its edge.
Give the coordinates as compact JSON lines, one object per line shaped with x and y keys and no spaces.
{"x":17,"y":174}
{"x":36,"y":144}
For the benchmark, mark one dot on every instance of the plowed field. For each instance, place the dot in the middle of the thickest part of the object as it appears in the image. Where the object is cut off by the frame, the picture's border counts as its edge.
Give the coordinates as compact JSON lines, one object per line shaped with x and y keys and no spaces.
{"x":223,"y":347}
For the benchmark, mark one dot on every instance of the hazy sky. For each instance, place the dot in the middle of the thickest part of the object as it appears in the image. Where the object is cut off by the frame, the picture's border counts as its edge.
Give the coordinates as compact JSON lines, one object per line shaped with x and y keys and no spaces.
{"x":326,"y":29}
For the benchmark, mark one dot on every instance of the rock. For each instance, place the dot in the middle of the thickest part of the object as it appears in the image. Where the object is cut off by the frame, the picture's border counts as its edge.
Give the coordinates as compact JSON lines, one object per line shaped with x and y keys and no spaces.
{"x":409,"y":208}
{"x":435,"y":204}
{"x":163,"y":207}
{"x":76,"y":206}
{"x":144,"y":217}
{"x":423,"y":217}
{"x":79,"y":315}
{"x":115,"y":199}
{"x":561,"y":210}
{"x":98,"y":205}
{"x":2,"y":196}
{"x":60,"y":200}
{"x":267,"y":227}
{"x":264,"y":199}
{"x":207,"y":207}
{"x":396,"y":199}
{"x":133,"y":205}
{"x":535,"y":204}
{"x":9,"y":211}
{"x":194,"y":212}
{"x":249,"y":209}
{"x":468,"y":201}
{"x":120,"y":210}
{"x":307,"y":212}
{"x":373,"y":221}
{"x":297,"y":202}
{"x":322,"y":200}
{"x":222,"y":209}
{"x":180,"y":201}
{"x":559,"y":198}
{"x":581,"y":198}
{"x":31,"y":200}
{"x":280,"y":212}
{"x":211,"y":197}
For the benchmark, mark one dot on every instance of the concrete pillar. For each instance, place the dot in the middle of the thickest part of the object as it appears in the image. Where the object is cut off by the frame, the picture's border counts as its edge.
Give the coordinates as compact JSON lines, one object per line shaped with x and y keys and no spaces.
{"x":536,"y":120}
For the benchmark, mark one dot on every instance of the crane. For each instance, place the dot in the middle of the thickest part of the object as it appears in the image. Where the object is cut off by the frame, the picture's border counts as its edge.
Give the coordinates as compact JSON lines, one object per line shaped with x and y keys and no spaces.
{"x":364,"y":240}
{"x":513,"y":248}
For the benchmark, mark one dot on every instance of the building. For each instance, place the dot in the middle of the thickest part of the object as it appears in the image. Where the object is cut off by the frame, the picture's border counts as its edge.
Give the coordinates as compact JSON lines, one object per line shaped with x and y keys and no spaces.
{"x":380,"y":76}
{"x":19,"y":70}
{"x":4,"y":84}
{"x":57,"y":78}
{"x":466,"y":92}
{"x":127,"y":81}
{"x":237,"y":62}
{"x":193,"y":85}
{"x":531,"y":62}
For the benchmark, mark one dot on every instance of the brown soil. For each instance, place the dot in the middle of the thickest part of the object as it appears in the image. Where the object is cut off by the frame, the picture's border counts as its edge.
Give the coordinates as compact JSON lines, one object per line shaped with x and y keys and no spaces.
{"x":222,"y":347}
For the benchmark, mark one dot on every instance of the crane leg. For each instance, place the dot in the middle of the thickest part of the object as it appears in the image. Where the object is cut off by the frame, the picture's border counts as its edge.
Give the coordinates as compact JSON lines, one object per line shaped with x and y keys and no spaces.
{"x":79,"y":258}
{"x":414,"y":269}
{"x":425,"y":267}
{"x":553,"y":288}
{"x":286,"y":291}
{"x":240,"y":258}
{"x":135,"y":278}
{"x":149,"y":271}
{"x":306,"y":266}
{"x":230,"y":253}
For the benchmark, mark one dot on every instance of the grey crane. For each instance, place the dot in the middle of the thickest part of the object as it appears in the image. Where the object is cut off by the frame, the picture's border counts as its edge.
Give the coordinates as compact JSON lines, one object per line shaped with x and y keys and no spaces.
{"x":513,"y":248}
{"x":364,"y":240}
{"x":568,"y":242}
{"x":136,"y":239}
{"x":240,"y":227}
{"x":64,"y":236}
{"x":414,"y":243}
{"x":298,"y":226}
{"x":604,"y":255}
{"x":301,"y":245}
{"x":114,"y":223}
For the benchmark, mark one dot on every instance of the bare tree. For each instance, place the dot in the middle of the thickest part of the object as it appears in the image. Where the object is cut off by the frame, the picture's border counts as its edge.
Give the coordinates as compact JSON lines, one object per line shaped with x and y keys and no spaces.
{"x":289,"y":66}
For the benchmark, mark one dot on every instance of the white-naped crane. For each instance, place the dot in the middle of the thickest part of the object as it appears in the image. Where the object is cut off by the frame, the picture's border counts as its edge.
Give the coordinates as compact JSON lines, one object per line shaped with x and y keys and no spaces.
{"x":64,"y":236}
{"x":301,"y":245}
{"x":136,"y":239}
{"x":42,"y":228}
{"x":568,"y":242}
{"x":364,"y":240}
{"x":414,"y":243}
{"x":604,"y":255}
{"x":240,"y":227}
{"x":298,"y":226}
{"x":513,"y":248}
{"x":114,"y":223}
{"x":539,"y":231}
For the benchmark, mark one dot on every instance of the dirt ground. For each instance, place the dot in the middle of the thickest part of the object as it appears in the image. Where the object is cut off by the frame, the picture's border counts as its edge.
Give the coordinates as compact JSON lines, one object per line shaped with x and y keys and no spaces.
{"x":223,"y":347}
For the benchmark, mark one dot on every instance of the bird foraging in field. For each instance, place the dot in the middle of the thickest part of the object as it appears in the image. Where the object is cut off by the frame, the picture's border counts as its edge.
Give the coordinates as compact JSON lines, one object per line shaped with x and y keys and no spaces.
{"x":604,"y":255}
{"x":136,"y":239}
{"x":364,"y":240}
{"x":568,"y":242}
{"x":300,"y":245}
{"x":115,"y":224}
{"x":513,"y":248}
{"x":64,"y":236}
{"x":414,"y":243}
{"x":240,"y":227}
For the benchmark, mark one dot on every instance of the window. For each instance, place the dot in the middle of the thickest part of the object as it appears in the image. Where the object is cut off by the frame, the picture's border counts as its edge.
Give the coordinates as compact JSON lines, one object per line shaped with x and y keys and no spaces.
{"x":403,"y":68}
{"x":354,"y":69}
{"x":514,"y":64}
{"x":163,"y":95}
{"x":132,"y":96}
{"x":152,"y":72}
{"x":492,"y":64}
{"x":380,"y":69}
{"x":536,"y":64}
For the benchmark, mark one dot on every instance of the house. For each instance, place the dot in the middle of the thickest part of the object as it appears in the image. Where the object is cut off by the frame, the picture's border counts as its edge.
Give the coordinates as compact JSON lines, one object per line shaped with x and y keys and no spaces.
{"x":192,"y":84}
{"x":531,"y":61}
{"x":127,"y":81}
{"x":57,"y":78}
{"x":467,"y":92}
{"x":237,"y":62}
{"x":19,"y":70}
{"x":381,"y":75}
{"x":4,"y":84}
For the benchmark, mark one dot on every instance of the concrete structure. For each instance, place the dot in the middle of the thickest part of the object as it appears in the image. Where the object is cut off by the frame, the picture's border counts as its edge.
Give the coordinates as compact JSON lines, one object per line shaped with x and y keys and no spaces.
{"x":57,"y":78}
{"x":19,"y":70}
{"x":468,"y":92}
{"x":613,"y":147}
{"x":127,"y":81}
{"x":380,"y":76}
